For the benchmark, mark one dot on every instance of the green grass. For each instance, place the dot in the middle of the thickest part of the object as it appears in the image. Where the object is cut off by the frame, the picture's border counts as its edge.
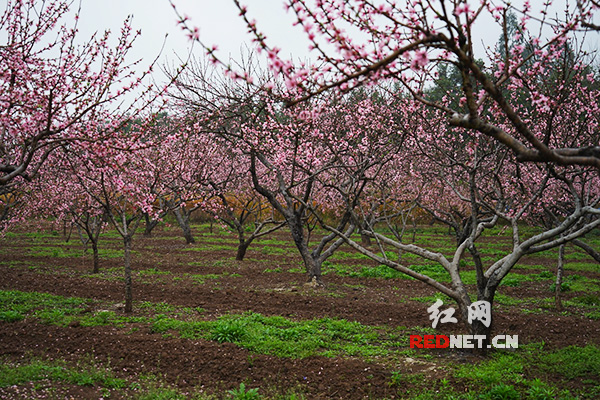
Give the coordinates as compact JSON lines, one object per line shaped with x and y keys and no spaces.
{"x":515,"y":375}
{"x":283,"y":337}
{"x":595,"y":315}
{"x":380,"y":271}
{"x":162,"y":307}
{"x":502,"y":367}
{"x":505,"y":375}
{"x":524,"y":266}
{"x":506,"y":300}
{"x":39,"y":234}
{"x":224,"y":263}
{"x":210,"y":247}
{"x":57,"y":310}
{"x":582,"y":266}
{"x":71,"y":251}
{"x":11,"y":316}
{"x":53,"y":251}
{"x":514,"y":280}
{"x":588,"y":300}
{"x":153,"y":272}
{"x":572,"y":362}
{"x":266,"y":335}
{"x":577,"y":283}
{"x":201,"y":279}
{"x":15,"y":263}
{"x":276,"y":270}
{"x":271,"y":250}
{"x":37,"y":303}
{"x":346,"y":255}
{"x":433,"y":270}
{"x":277,"y":242}
{"x":87,"y":373}
{"x":428,"y":268}
{"x":432,"y":299}
{"x":56,"y":371}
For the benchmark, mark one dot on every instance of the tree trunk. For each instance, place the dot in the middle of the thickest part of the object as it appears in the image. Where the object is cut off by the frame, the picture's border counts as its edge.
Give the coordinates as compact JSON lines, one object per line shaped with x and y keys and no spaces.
{"x":67,"y":235}
{"x":96,"y":258}
{"x":150,"y":225}
{"x":128,"y":295}
{"x":187,"y":234}
{"x":314,"y":271}
{"x":83,"y":240}
{"x":588,"y":249}
{"x":241,"y":250}
{"x":559,"y":277}
{"x":184,"y":223}
{"x":476,"y":326}
{"x":312,"y":265}
{"x":365,"y":239}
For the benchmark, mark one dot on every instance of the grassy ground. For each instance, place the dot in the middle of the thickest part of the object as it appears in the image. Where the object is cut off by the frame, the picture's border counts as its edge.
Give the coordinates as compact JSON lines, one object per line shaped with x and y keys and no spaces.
{"x":534,"y":371}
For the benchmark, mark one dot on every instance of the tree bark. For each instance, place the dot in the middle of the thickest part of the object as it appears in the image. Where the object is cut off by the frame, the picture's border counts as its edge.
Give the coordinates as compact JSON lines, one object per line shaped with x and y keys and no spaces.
{"x":241,"y":250}
{"x":588,"y":249}
{"x":83,"y":240}
{"x":314,"y":272}
{"x":150,"y":225}
{"x":312,"y":265}
{"x":67,"y":235}
{"x":184,"y":223}
{"x":476,"y":326}
{"x":365,"y":239}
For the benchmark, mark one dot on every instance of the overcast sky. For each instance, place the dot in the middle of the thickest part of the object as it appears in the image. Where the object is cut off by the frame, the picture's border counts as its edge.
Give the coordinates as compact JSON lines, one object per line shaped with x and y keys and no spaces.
{"x":219,"y":24}
{"x":218,"y":21}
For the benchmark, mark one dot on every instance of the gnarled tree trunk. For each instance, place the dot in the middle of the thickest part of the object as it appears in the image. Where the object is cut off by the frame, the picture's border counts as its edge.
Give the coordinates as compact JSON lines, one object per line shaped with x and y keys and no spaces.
{"x":241,"y":250}
{"x":183,"y":219}
{"x":150,"y":225}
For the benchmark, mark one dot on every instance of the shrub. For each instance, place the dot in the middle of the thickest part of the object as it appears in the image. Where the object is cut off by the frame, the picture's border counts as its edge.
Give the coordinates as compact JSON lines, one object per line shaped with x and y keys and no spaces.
{"x":502,"y":392}
{"x":242,"y":394}
{"x":228,"y":331}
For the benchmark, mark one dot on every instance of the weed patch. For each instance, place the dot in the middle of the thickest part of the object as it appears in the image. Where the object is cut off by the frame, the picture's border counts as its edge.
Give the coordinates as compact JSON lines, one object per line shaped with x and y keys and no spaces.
{"x":282,"y":337}
{"x":83,"y":375}
{"x":572,"y":362}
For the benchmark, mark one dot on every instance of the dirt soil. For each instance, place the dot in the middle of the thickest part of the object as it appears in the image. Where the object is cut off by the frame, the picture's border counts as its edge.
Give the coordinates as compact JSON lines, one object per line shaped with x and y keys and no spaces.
{"x":193,"y":365}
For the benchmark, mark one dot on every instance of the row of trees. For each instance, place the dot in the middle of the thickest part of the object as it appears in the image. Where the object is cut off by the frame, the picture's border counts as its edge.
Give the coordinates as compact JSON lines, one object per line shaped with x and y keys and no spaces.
{"x":427,"y":125}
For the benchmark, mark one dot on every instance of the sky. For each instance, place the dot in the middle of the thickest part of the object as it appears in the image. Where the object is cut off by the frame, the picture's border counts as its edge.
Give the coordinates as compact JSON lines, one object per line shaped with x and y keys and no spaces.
{"x":219,"y":24}
{"x":218,"y":21}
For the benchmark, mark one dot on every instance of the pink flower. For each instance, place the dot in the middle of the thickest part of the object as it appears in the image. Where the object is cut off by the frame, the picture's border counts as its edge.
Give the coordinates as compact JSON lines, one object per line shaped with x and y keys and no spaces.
{"x":420,"y":59}
{"x":462,"y":9}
